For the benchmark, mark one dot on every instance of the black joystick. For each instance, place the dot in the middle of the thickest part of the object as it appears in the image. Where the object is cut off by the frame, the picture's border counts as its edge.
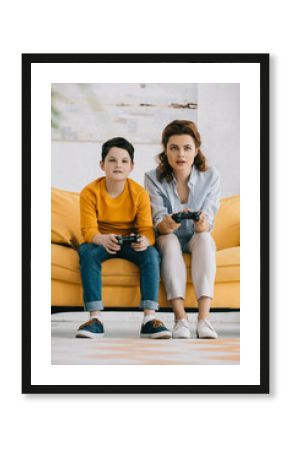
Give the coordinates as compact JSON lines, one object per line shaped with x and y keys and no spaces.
{"x":133,"y":238}
{"x":193,"y":215}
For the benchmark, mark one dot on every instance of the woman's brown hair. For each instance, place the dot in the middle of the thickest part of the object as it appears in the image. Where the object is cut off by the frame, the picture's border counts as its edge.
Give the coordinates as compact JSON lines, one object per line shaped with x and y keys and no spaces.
{"x":179,"y":127}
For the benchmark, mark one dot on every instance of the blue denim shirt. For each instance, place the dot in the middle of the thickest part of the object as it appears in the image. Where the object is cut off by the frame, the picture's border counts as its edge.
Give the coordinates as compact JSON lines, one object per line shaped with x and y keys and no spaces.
{"x":204,"y":195}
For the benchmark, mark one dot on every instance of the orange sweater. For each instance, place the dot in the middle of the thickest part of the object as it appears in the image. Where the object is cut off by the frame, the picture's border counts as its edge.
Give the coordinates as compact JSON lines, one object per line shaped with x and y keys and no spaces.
{"x":128,"y":213}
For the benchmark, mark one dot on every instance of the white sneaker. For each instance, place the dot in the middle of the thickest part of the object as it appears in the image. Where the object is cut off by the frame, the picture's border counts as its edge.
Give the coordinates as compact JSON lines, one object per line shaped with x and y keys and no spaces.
{"x":181,"y":329}
{"x":205,"y":330}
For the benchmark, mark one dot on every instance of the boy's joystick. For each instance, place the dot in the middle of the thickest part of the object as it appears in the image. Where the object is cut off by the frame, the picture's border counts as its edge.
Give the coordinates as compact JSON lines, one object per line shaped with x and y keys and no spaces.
{"x":132,"y":238}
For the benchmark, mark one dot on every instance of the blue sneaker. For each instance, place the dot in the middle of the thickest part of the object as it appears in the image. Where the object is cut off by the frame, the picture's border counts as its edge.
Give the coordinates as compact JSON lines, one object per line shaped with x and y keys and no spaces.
{"x":92,"y":329}
{"x":154,"y":329}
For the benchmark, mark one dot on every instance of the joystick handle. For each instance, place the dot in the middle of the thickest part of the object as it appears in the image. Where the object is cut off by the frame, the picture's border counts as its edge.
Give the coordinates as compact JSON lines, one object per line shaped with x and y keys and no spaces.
{"x":193,"y":215}
{"x":133,"y":238}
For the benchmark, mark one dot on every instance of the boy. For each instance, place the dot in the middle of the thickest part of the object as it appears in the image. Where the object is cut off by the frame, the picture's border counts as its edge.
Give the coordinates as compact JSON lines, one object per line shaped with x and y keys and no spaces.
{"x":110,"y":206}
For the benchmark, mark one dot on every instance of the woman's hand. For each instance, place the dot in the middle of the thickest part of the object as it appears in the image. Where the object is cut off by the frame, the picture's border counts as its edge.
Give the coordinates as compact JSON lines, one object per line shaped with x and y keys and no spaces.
{"x":108,"y":241}
{"x":167,"y":225}
{"x":141,"y":245}
{"x":202,"y":224}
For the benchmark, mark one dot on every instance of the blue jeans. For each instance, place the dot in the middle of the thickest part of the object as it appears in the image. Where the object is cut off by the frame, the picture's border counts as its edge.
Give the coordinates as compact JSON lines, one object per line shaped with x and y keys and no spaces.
{"x":91,"y":258}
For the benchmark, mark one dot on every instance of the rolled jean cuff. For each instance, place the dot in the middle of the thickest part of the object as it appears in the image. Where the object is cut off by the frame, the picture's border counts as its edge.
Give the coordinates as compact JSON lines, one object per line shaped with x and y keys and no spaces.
{"x":94,"y":306}
{"x":149,"y":304}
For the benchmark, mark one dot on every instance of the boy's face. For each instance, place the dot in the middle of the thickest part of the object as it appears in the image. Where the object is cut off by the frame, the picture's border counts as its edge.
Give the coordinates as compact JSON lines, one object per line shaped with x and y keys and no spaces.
{"x":117,"y":164}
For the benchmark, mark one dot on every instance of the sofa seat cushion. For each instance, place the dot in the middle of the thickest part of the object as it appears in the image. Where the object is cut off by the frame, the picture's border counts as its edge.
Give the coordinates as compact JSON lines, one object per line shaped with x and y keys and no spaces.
{"x":116,"y":272}
{"x":227,"y":262}
{"x":65,"y":266}
{"x":228,"y":265}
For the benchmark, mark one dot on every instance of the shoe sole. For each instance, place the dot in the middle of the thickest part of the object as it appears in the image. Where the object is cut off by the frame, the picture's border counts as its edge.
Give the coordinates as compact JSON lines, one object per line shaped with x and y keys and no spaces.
{"x":205,"y":337}
{"x":161,"y":335}
{"x":184,"y":335}
{"x":89,"y":335}
{"x":180,"y":337}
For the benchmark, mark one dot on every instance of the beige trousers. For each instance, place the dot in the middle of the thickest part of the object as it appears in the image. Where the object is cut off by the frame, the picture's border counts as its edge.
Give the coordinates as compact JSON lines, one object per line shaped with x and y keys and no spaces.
{"x":203,"y":264}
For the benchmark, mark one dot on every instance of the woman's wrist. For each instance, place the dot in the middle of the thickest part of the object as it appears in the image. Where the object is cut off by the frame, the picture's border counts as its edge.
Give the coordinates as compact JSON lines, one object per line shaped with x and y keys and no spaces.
{"x":167,"y":225}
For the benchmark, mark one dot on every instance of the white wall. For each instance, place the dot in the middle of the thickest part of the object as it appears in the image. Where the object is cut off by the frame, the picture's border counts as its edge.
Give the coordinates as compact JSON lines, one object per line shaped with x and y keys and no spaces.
{"x":74,"y":164}
{"x":219,"y":124}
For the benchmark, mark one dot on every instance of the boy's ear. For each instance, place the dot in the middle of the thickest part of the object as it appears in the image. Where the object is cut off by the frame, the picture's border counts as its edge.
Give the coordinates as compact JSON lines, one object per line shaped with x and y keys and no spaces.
{"x":132,"y":166}
{"x":102,"y":165}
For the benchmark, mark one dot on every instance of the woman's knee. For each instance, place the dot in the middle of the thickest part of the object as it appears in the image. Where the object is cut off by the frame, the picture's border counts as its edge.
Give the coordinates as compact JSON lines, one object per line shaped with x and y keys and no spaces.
{"x":202,"y":244}
{"x":203,"y":238}
{"x":204,"y":235}
{"x":168,"y":243}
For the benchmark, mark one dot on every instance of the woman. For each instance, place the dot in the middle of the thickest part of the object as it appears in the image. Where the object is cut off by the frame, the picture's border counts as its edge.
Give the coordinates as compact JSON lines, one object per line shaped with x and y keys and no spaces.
{"x":183,"y":182}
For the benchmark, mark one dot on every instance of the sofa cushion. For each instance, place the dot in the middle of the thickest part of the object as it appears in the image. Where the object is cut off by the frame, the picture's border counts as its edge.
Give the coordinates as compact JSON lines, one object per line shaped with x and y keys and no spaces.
{"x":65,"y":266}
{"x":227,"y":264}
{"x":120,"y":272}
{"x":65,"y":218}
{"x":226,"y":232}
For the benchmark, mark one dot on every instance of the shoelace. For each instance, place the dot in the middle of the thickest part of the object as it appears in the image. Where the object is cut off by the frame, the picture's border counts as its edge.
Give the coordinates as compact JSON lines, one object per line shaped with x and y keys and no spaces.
{"x":157,"y":323}
{"x":181,"y":323}
{"x":207,"y":323}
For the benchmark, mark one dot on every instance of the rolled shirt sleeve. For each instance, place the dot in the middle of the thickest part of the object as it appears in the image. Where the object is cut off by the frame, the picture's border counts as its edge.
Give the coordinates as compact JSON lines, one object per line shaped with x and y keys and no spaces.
{"x":89,"y":222}
{"x":159,"y":202}
{"x":211,"y":203}
{"x":143,"y":222}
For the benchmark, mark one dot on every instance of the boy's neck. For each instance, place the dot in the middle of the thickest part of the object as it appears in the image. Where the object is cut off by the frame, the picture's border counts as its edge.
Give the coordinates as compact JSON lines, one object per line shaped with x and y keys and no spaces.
{"x":115,"y":188}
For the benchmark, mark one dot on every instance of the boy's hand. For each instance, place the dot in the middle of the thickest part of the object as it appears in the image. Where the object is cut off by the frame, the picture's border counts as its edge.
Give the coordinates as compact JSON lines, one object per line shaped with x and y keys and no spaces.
{"x":109,"y":242}
{"x":202,"y":224}
{"x":141,"y":245}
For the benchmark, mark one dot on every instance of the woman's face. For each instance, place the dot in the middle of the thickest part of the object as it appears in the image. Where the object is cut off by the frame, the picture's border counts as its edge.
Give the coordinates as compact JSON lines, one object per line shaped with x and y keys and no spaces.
{"x":181,"y":151}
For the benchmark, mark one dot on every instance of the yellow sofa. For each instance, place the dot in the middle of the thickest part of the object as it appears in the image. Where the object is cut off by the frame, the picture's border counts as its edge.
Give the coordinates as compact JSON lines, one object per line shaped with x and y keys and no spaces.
{"x":120,"y":277}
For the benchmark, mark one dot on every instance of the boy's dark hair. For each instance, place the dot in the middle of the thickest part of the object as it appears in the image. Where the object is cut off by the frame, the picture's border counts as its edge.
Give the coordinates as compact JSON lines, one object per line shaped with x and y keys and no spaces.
{"x":117,"y":142}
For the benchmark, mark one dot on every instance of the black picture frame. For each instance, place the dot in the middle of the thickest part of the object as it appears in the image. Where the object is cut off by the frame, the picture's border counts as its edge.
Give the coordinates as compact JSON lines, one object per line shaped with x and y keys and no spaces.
{"x":263,"y":61}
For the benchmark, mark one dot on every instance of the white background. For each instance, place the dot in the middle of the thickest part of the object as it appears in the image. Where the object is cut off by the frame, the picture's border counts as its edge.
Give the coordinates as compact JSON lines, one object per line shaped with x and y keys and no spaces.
{"x":201,"y":421}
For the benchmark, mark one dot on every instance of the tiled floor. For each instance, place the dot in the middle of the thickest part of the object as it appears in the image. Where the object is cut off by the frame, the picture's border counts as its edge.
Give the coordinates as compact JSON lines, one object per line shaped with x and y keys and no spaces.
{"x":122,"y":345}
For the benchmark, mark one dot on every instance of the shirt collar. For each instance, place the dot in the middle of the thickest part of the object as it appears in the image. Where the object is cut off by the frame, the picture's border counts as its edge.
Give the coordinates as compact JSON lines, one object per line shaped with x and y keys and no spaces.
{"x":192,"y":177}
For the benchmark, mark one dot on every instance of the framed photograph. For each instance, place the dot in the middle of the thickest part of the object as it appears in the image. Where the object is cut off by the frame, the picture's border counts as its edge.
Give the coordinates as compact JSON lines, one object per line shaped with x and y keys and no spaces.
{"x":193,"y":130}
